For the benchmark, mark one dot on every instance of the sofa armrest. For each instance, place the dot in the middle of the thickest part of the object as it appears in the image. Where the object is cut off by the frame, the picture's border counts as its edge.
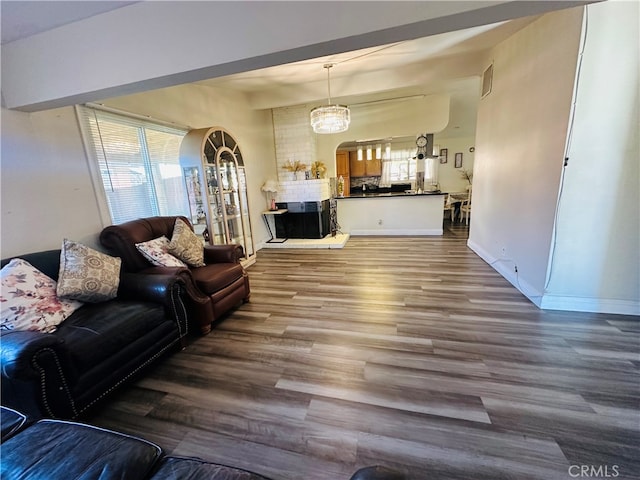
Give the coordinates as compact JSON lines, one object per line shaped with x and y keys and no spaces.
{"x":19,"y":349}
{"x":150,"y":288}
{"x":223,"y":253}
{"x":164,"y":289}
{"x":37,"y":374}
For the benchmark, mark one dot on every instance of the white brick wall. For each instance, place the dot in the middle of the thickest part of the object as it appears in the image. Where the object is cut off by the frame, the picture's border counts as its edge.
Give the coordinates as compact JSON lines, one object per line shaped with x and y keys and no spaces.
{"x":294,"y":138}
{"x":303,"y":191}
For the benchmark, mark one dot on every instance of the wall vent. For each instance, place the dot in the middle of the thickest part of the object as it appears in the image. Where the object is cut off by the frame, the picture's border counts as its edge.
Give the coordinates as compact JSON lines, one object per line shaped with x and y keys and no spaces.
{"x":487,"y":80}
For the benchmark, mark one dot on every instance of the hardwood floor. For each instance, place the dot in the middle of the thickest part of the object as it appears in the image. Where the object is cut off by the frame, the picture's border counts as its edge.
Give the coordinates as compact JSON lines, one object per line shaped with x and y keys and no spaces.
{"x":407,"y":352}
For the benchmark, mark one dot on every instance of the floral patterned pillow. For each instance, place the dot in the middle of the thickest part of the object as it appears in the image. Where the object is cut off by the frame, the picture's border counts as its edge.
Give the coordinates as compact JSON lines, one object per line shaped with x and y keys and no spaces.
{"x":186,"y":245}
{"x":86,"y":274}
{"x":28,"y":299}
{"x":157,"y":252}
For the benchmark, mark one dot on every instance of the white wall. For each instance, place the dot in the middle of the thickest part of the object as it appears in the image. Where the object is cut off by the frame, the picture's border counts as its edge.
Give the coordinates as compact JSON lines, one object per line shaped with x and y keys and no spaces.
{"x":294,"y":139}
{"x":47,"y":193}
{"x":520,"y":139}
{"x":596,"y":256}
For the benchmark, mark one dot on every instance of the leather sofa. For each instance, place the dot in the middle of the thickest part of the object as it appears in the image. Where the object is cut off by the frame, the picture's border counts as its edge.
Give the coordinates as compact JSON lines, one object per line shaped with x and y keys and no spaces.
{"x":96,"y":349}
{"x":211,"y":291}
{"x":62,"y":450}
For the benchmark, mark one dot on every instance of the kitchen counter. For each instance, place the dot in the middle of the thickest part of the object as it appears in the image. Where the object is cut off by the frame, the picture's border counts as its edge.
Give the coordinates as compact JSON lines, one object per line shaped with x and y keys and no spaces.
{"x":392,"y":194}
{"x":391,"y":213}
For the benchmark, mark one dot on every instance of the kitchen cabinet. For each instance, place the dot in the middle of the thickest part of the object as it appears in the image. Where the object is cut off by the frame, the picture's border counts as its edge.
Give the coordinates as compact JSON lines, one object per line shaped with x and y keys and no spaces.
{"x":364,"y":168}
{"x":343,"y":169}
{"x":215,"y":177}
{"x":342,"y":163}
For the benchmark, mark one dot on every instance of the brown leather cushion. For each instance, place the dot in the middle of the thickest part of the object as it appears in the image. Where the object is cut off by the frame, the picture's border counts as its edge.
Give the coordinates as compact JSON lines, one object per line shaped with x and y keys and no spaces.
{"x":212,"y":278}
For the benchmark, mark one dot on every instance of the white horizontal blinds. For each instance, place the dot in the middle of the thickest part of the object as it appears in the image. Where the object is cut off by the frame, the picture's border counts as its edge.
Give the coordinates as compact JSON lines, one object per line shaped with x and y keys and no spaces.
{"x":164,"y":157}
{"x":402,"y":165}
{"x":139,"y":164}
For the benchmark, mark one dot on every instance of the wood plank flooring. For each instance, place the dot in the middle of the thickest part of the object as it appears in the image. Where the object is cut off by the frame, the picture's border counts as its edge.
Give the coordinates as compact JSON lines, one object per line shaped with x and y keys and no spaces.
{"x":407,"y":352}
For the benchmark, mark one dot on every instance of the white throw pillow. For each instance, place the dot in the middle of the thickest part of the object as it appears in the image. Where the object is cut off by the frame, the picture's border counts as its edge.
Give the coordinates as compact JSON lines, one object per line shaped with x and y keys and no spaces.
{"x":157,"y":252}
{"x":28,"y":299}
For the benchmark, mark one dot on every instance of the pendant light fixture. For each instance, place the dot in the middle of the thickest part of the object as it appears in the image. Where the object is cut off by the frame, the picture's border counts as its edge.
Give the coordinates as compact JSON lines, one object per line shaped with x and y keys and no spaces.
{"x":330,"y":118}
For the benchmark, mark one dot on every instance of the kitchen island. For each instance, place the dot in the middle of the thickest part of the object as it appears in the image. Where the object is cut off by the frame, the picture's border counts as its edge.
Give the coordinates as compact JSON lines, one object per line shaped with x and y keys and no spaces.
{"x":395,"y":213}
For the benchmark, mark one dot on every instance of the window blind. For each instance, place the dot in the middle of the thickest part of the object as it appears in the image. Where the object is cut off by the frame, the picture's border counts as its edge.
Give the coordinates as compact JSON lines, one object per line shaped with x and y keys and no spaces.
{"x":402,"y":166}
{"x":139,"y":164}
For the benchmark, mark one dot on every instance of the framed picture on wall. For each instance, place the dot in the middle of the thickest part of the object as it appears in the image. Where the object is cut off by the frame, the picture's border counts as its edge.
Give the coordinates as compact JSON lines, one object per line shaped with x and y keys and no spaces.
{"x":443,"y":155}
{"x":458,"y":160}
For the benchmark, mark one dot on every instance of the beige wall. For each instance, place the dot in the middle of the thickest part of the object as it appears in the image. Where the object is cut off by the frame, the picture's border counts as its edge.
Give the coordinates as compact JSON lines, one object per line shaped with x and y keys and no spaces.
{"x":520,"y":140}
{"x":596,"y":252}
{"x":47,"y":193}
{"x":449,"y":177}
{"x":47,"y":188}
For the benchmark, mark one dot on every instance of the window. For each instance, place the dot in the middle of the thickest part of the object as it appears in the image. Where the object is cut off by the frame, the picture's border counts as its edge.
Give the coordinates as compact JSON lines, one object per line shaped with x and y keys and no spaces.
{"x":402,"y":166}
{"x":139,"y":164}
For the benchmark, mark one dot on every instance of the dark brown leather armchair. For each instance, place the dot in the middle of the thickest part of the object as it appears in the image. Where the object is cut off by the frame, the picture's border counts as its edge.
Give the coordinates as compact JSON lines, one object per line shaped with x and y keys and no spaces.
{"x":212,"y":290}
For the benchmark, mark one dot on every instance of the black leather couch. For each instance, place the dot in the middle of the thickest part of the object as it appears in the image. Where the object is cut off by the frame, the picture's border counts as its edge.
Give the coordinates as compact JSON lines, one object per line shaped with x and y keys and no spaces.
{"x":211,"y":291}
{"x":62,"y":450}
{"x":95,"y":350}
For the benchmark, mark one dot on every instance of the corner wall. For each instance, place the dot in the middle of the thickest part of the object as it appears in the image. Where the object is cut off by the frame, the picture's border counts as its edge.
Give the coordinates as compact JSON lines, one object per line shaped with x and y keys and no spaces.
{"x":596,"y":254}
{"x":46,"y":189}
{"x":520,"y":142}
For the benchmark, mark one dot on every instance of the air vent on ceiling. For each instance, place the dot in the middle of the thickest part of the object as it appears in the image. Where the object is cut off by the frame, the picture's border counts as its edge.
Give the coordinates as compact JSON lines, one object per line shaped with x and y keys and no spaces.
{"x":487,"y":80}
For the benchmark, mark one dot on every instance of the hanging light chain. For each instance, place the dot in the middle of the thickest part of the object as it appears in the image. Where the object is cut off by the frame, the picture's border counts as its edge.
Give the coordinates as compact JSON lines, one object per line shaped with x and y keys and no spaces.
{"x":328,"y":66}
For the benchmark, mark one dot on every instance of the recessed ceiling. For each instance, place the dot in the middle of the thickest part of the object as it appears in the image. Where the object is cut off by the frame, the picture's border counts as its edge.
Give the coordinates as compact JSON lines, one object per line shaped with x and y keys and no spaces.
{"x":449,"y":63}
{"x":444,"y":63}
{"x":306,"y":81}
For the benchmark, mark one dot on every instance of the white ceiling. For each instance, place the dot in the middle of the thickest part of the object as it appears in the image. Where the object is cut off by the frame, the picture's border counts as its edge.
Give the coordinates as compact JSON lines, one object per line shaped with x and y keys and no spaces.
{"x":398,"y":70}
{"x":445,"y":63}
{"x":22,"y":18}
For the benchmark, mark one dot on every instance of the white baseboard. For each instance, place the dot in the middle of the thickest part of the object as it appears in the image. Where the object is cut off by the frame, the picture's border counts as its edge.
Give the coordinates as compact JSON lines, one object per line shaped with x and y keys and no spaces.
{"x":505,"y":268}
{"x":589,"y":304}
{"x":398,"y":232}
{"x":546,"y":301}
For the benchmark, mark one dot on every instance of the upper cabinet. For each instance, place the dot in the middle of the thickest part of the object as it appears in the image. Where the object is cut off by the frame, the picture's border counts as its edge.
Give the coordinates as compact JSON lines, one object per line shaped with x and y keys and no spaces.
{"x":216,"y":183}
{"x":342,"y":170}
{"x":342,"y":163}
{"x":364,"y":167}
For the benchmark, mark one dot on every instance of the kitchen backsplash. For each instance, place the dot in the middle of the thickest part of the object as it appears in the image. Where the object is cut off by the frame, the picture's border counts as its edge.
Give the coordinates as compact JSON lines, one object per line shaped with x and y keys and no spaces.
{"x":357,"y":182}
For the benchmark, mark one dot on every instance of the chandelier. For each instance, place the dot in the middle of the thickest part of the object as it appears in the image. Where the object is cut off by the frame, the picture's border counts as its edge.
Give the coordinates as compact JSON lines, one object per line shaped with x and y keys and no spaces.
{"x":330,"y":118}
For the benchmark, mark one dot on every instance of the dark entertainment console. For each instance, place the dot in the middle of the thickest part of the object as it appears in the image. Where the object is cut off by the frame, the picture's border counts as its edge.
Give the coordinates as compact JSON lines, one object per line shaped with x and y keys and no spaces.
{"x":303,"y":220}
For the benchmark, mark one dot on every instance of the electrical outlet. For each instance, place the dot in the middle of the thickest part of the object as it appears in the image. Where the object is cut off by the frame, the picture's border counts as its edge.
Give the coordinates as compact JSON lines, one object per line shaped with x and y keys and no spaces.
{"x":380,"y":222}
{"x":515,"y":269}
{"x":503,"y":251}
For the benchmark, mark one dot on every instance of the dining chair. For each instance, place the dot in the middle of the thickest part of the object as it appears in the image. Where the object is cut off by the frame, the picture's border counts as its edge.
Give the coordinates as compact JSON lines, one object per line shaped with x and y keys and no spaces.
{"x":465,"y":207}
{"x":449,"y":207}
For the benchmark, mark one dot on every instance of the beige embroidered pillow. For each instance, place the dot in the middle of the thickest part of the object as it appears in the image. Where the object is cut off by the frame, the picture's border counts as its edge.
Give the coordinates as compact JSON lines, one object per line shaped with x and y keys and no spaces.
{"x":186,"y":245}
{"x":86,"y":274}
